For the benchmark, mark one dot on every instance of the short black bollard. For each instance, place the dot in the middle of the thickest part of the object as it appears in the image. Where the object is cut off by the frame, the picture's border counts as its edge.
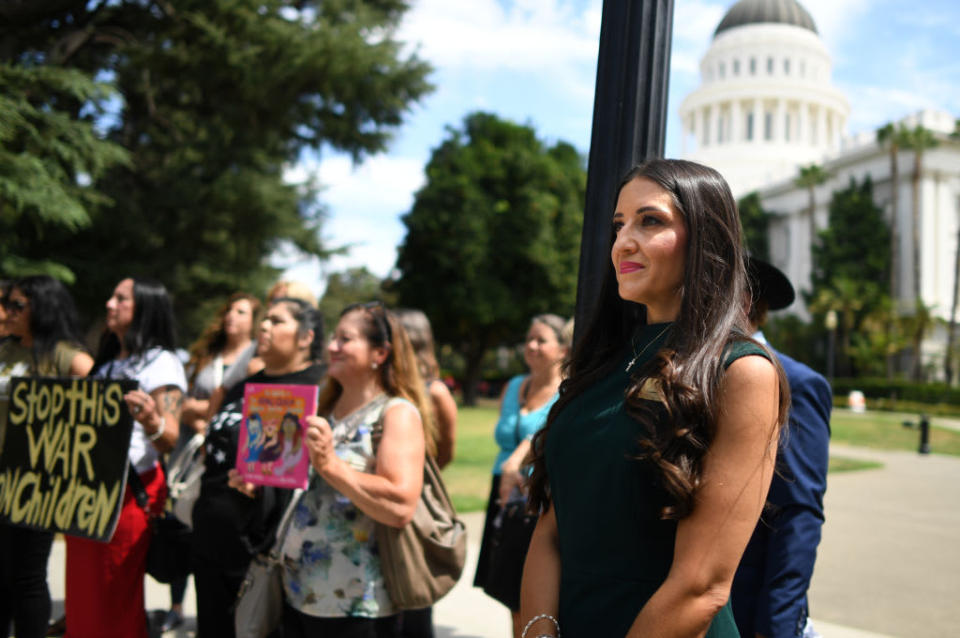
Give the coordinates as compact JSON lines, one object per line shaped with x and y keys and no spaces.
{"x":924,"y":435}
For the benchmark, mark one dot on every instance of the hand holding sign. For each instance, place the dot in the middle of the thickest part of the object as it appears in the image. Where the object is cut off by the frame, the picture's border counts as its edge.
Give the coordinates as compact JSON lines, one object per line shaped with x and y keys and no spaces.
{"x":144,"y":409}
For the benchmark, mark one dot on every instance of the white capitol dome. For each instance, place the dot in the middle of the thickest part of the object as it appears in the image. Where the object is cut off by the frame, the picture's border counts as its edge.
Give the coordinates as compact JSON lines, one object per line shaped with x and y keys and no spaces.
{"x":766,"y":104}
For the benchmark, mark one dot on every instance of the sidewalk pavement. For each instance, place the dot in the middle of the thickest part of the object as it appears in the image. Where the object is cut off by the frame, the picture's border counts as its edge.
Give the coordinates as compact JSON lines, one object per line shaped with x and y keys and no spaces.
{"x":889,"y":563}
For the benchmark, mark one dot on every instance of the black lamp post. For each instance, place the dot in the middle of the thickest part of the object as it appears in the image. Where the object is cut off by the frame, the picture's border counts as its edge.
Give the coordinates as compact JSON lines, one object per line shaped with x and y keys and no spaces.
{"x":629,"y":122}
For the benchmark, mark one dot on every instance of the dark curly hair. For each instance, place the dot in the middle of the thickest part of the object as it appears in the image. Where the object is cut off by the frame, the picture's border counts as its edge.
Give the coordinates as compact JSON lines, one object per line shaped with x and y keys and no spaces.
{"x":690,"y":365}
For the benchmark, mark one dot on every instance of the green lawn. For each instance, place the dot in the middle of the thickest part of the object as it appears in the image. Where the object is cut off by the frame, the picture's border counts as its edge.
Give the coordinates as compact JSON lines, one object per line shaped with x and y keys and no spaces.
{"x":844,"y":464}
{"x":885,"y":431}
{"x":468,"y":477}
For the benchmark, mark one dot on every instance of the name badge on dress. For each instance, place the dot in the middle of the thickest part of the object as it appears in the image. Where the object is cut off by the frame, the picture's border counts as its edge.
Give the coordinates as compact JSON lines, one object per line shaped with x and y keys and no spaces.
{"x":651,"y":390}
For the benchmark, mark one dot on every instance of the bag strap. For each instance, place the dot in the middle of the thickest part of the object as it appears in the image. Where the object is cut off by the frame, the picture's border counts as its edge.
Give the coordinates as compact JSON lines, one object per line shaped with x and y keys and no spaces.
{"x":285,"y":523}
{"x":137,"y":487}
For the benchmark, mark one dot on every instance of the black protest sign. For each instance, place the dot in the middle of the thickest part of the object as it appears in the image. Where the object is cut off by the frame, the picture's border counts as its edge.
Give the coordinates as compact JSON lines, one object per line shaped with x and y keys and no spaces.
{"x":64,"y":461}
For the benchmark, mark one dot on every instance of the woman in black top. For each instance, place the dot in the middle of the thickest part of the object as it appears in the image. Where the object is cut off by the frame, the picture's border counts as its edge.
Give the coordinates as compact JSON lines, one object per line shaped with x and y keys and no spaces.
{"x":656,"y":459}
{"x":230,"y":526}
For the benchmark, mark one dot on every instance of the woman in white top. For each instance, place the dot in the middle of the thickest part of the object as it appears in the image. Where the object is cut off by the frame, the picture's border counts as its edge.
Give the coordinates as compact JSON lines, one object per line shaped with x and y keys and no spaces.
{"x":367,"y":453}
{"x":104,"y":593}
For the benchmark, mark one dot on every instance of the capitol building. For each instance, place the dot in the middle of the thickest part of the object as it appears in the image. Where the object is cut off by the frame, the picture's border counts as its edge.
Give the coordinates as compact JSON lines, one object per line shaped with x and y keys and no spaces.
{"x":766,"y":106}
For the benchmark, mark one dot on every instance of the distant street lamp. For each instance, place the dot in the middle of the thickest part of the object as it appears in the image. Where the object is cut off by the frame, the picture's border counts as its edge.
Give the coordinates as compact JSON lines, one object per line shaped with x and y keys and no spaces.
{"x":830,"y":323}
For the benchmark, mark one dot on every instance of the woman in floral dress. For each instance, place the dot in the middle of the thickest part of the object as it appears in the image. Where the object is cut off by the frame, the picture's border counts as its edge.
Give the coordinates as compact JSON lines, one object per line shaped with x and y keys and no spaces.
{"x":367,"y":456}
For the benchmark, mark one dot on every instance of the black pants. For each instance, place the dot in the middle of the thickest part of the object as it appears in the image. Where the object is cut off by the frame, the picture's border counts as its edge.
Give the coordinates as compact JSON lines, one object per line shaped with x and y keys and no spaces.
{"x":24,"y":595}
{"x":299,"y":625}
{"x":417,"y":623}
{"x":216,"y":597}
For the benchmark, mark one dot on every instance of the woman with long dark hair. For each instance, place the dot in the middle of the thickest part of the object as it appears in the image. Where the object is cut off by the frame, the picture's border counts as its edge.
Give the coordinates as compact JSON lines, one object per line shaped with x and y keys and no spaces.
{"x":41,"y":322}
{"x":654,"y":465}
{"x":230,"y":526}
{"x":104,"y":593}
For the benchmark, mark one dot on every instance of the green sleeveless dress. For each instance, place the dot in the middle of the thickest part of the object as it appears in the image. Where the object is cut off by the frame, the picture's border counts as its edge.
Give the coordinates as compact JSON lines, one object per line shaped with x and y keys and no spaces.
{"x":614,"y":550}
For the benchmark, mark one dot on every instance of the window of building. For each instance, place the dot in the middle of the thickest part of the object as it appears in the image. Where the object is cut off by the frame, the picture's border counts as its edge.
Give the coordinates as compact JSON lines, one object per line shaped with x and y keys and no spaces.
{"x":706,"y":128}
{"x":722,"y":70}
{"x":736,"y":67}
{"x":749,"y":126}
{"x":786,"y":66}
{"x":768,"y":126}
{"x":721,"y":121}
{"x":786,"y":128}
{"x":753,"y":66}
{"x":769,"y":66}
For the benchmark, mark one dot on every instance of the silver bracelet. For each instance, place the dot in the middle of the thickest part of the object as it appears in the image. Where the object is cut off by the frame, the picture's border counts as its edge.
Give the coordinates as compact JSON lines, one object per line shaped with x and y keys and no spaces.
{"x":160,"y":430}
{"x":555,"y":622}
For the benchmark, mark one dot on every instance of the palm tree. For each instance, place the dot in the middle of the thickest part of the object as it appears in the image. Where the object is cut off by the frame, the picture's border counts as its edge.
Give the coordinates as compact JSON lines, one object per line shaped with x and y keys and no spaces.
{"x":889,"y":137}
{"x":951,"y":327}
{"x":810,"y":177}
{"x":918,"y":139}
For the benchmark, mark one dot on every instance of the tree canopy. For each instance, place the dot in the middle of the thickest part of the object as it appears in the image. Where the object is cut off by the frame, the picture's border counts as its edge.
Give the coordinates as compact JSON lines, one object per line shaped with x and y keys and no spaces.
{"x":215,"y":99}
{"x":493,"y":236}
{"x":756,"y":223}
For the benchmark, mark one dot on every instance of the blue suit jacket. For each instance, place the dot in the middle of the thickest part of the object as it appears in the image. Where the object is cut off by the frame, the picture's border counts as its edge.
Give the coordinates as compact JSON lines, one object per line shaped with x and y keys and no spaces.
{"x":770,"y":587}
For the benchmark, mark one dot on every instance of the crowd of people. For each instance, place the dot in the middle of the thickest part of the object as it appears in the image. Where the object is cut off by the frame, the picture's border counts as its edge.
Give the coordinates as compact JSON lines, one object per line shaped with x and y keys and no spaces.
{"x":633,"y":465}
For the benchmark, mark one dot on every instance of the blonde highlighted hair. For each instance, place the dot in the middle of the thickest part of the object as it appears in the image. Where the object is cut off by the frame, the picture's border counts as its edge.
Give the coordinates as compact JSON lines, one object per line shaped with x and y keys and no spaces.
{"x":399,"y":375}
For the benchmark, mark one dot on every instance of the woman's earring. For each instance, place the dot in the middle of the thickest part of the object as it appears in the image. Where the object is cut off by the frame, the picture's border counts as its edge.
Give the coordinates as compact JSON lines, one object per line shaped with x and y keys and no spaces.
{"x":374,"y":365}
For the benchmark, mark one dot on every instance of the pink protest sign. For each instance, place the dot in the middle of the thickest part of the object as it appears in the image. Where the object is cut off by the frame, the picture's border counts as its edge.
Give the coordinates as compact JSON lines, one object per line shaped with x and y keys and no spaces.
{"x":272,"y":449}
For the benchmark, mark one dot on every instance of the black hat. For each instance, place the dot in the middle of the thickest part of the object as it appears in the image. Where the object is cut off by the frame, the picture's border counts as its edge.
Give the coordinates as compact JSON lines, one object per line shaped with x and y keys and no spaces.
{"x":769,"y":284}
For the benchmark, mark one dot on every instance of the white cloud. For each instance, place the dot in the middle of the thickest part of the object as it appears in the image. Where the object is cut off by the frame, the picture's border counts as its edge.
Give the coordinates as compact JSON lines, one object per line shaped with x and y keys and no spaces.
{"x":531,"y":35}
{"x":364,"y":203}
{"x":836,"y":19}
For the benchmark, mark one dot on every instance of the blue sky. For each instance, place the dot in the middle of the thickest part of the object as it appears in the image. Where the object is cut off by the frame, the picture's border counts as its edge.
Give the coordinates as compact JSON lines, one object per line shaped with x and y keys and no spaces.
{"x":534,"y":62}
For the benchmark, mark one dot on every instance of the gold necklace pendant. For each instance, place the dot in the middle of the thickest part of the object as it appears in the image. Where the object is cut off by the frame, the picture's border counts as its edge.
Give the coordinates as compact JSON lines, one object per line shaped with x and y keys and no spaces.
{"x":637,"y":355}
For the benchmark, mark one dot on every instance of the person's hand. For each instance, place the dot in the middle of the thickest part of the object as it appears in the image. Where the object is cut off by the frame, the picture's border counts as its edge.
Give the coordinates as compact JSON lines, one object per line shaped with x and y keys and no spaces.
{"x":235,"y":480}
{"x":320,"y":443}
{"x":144,"y":409}
{"x":510,"y":479}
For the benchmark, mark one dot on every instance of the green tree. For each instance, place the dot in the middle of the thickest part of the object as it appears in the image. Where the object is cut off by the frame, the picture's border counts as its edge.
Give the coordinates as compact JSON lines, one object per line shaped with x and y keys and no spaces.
{"x":493,"y":236}
{"x":344,"y":288}
{"x":217,"y":97}
{"x":48,"y":162}
{"x":849,"y":259}
{"x":756,"y":223}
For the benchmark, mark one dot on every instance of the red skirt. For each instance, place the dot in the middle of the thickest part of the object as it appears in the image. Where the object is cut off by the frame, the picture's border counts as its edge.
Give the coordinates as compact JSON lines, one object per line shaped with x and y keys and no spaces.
{"x":104,"y":593}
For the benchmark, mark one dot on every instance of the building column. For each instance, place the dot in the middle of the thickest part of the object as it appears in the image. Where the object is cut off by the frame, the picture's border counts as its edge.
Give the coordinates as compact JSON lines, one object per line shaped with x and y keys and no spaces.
{"x":715,"y":123}
{"x":804,"y":115}
{"x":758,"y":121}
{"x":779,"y":117}
{"x":697,"y":127}
{"x":822,"y":127}
{"x":735,"y":122}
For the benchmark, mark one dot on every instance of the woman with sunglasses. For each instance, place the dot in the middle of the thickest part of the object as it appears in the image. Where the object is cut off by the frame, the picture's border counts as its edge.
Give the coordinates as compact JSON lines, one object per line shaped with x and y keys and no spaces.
{"x":367,"y":452}
{"x":104,"y":592}
{"x":41,"y":321}
{"x":231,"y":525}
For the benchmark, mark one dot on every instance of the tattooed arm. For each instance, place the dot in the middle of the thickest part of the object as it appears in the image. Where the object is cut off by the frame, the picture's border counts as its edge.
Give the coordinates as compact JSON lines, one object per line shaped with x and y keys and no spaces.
{"x":158,"y":411}
{"x":169,"y":400}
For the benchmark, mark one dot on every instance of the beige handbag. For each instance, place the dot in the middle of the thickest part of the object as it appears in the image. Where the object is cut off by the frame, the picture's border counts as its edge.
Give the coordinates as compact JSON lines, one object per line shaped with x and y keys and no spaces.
{"x":423,"y":560}
{"x":259,"y":609}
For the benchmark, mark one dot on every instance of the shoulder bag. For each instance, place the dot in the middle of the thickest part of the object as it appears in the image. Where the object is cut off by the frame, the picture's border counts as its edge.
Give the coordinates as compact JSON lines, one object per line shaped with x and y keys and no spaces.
{"x":423,"y":560}
{"x":510,"y":534}
{"x":259,"y":608}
